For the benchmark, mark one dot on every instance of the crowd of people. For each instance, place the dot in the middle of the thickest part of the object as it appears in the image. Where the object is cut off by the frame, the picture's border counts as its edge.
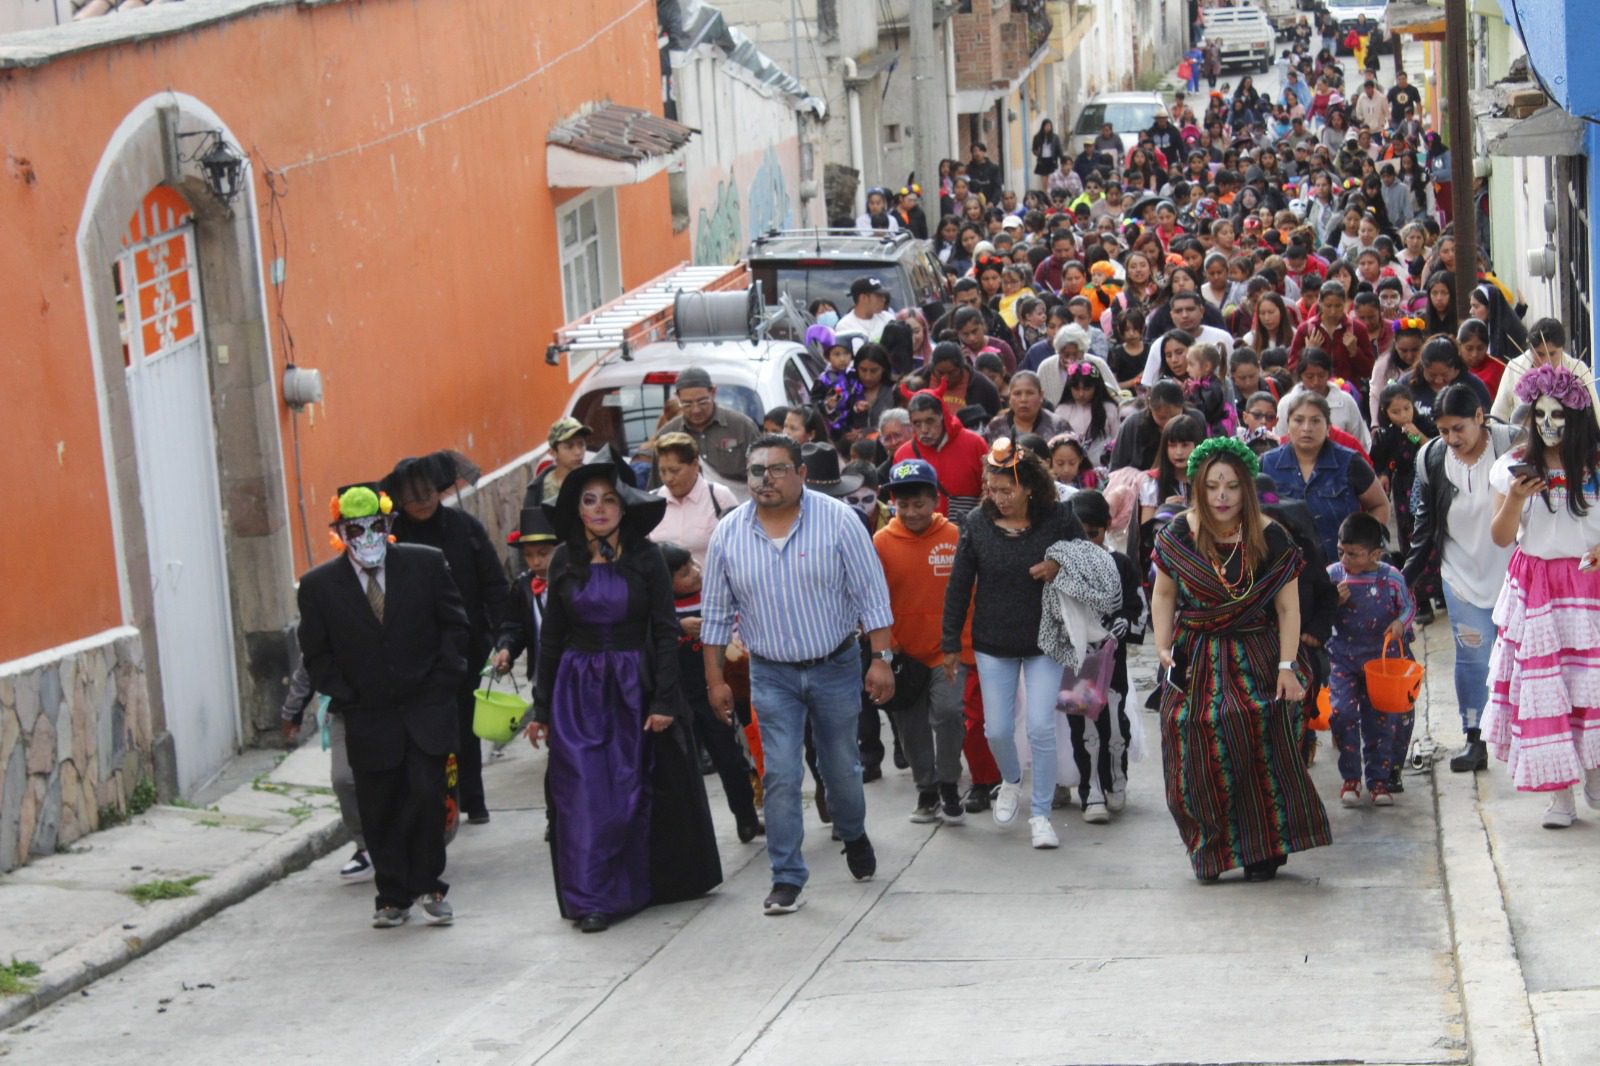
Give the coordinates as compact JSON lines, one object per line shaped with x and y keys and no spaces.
{"x":1216,"y":390}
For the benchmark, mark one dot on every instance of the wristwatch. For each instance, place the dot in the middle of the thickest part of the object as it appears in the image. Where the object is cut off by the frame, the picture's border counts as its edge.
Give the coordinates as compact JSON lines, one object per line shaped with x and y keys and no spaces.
{"x":885,"y":655}
{"x":1286,"y":666}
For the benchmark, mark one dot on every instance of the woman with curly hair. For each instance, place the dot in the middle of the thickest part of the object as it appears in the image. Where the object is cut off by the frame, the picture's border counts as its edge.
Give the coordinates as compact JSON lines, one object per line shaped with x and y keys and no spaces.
{"x":1543,"y":718}
{"x":1226,"y":612}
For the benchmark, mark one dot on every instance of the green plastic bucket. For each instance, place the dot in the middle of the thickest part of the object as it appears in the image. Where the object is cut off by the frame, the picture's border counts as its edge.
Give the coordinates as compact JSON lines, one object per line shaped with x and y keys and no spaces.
{"x":496,"y":715}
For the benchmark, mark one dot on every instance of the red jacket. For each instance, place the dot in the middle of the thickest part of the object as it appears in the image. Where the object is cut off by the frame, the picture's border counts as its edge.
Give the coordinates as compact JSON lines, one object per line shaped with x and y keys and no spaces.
{"x":958,"y":460}
{"x":1351,"y":362}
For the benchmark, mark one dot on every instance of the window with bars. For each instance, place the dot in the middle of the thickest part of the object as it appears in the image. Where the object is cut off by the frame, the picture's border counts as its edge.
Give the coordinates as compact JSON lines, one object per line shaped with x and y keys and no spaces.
{"x":1577,"y":303}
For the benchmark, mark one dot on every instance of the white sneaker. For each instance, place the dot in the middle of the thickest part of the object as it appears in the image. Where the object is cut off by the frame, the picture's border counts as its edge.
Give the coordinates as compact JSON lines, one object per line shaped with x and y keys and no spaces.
{"x":1562,"y":812}
{"x":1115,"y":801}
{"x":1591,"y":788}
{"x":1007,"y":798}
{"x":1044,"y":835}
{"x":1096,"y":813}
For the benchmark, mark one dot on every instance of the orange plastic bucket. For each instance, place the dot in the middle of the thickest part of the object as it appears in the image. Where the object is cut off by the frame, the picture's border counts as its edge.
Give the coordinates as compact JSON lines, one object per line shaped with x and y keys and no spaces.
{"x":1393,"y":684}
{"x":1324,"y":713}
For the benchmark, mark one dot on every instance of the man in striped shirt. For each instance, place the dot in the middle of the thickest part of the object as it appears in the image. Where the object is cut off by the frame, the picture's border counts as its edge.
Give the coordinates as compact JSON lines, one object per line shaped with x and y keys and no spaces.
{"x":798,"y":571}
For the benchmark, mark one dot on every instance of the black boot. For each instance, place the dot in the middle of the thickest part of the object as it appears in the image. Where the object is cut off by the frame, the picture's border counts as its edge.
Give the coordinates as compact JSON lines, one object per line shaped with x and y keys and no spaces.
{"x":1472,"y":757}
{"x":823,"y":814}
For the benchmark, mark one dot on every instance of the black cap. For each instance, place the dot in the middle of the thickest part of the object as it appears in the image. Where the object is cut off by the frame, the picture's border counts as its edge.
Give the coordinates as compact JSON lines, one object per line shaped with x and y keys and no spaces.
{"x":867,"y":286}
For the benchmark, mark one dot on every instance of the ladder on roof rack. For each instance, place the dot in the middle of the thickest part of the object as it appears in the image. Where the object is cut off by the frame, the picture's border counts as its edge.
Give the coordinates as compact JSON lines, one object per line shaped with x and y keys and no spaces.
{"x":641,"y":316}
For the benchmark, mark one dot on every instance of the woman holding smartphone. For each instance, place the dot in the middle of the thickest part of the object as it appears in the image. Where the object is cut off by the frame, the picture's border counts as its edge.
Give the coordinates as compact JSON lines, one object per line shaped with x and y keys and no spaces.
{"x":1226,"y":610}
{"x":1542,"y":720}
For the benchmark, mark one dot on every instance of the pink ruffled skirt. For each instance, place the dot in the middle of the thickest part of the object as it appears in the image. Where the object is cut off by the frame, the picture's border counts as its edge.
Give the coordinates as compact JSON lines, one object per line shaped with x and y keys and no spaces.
{"x":1543,"y":718}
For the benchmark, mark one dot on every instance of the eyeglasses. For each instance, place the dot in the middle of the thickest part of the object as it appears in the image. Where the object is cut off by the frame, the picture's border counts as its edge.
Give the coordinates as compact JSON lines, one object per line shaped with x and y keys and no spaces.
{"x":707,"y":402}
{"x":760,"y":471}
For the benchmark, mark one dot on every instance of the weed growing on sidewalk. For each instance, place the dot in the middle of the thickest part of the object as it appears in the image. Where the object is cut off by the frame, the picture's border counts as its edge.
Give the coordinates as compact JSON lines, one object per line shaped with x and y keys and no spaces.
{"x":150,"y":891}
{"x":16,"y":978}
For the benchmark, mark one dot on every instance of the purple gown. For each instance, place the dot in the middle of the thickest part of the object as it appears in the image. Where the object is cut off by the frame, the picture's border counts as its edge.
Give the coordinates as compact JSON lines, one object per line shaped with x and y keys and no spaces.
{"x":599,"y":773}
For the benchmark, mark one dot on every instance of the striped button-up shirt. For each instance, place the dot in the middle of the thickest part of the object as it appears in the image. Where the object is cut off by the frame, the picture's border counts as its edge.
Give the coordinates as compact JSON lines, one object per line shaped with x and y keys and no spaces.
{"x":799,"y":601}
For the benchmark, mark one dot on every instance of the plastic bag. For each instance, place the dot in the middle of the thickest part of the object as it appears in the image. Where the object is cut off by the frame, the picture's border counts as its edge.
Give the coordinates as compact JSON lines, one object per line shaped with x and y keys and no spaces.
{"x":1086,"y":690}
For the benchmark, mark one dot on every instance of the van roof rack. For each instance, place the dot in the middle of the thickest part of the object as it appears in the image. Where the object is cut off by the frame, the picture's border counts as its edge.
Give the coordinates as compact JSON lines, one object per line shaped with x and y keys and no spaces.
{"x":638,"y":317}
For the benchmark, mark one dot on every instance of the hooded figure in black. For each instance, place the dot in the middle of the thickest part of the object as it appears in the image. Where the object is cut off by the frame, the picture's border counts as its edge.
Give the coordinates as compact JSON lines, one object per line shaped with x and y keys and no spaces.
{"x":416,"y":485}
{"x":629,"y":821}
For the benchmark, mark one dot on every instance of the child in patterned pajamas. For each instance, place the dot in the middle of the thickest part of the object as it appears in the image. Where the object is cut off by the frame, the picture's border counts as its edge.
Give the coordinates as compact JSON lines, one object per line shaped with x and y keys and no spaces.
{"x":1374,"y":603}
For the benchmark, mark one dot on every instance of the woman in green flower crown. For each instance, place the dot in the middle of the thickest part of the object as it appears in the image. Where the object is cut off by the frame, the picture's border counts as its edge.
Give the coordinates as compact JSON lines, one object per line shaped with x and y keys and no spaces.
{"x":1226,"y":612}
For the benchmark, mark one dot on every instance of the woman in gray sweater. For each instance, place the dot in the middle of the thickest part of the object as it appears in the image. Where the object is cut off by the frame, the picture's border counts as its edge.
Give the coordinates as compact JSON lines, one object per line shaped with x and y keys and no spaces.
{"x":1002,"y":550}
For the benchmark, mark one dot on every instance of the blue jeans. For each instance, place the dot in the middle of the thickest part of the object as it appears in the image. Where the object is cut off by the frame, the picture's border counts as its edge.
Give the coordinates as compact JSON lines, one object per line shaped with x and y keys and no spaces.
{"x":1474,"y":632}
{"x":784,"y":696}
{"x":1041,"y":676}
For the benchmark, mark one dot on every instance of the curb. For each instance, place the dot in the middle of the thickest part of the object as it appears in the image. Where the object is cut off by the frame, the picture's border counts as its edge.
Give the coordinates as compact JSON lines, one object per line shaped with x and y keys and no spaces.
{"x":1496,"y":1011}
{"x":111,"y":949}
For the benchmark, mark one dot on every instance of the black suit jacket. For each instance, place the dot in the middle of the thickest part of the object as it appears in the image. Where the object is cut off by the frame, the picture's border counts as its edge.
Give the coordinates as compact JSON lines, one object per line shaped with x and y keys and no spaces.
{"x":390,"y":680}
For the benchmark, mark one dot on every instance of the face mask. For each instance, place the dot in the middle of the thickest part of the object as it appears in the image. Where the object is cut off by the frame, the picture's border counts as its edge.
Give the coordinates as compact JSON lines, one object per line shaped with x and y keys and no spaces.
{"x":1550,"y":419}
{"x":367,"y":540}
{"x":828,"y":318}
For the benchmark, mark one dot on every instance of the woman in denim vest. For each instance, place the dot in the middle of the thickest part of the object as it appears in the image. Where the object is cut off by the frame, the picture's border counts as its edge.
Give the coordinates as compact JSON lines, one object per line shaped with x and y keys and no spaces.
{"x":1333,"y":480}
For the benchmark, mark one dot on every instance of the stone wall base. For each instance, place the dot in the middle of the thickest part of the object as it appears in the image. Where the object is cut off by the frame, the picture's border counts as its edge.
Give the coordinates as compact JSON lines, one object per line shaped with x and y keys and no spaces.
{"x":75,"y":738}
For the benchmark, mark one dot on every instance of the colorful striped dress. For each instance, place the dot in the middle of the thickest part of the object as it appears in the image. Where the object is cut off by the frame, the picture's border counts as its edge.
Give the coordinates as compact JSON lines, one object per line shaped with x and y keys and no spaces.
{"x":1236,"y":783}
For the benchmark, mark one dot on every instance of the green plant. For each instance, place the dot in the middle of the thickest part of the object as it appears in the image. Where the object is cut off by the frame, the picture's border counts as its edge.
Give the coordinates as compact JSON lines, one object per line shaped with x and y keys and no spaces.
{"x":111,"y":814}
{"x":16,"y":978}
{"x":143,"y":798}
{"x":1150,"y":80}
{"x":150,"y":891}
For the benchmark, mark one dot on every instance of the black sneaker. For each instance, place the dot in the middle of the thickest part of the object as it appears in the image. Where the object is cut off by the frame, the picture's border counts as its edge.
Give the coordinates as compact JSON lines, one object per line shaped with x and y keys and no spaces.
{"x":1473,"y":757}
{"x":871,"y":772}
{"x":950,"y":807}
{"x":900,"y":761}
{"x":977,"y":800}
{"x":1424,"y":615}
{"x":927,"y":809}
{"x":1395,"y":784}
{"x":359,"y":868}
{"x":478,"y":817}
{"x":750,"y":827}
{"x":783,"y":899}
{"x":860,"y":857}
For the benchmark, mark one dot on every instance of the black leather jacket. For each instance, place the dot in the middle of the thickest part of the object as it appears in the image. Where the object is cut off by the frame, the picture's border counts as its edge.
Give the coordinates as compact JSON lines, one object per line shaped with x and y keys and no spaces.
{"x":1432,"y":495}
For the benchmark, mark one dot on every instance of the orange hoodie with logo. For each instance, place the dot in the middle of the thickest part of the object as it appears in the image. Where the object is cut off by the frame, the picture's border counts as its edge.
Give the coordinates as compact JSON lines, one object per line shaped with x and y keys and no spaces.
{"x":917,"y":569}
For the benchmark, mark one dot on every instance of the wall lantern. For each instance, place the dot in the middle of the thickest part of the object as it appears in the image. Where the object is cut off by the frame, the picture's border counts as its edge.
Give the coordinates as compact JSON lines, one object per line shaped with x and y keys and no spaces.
{"x":220,"y":164}
{"x":223,"y":167}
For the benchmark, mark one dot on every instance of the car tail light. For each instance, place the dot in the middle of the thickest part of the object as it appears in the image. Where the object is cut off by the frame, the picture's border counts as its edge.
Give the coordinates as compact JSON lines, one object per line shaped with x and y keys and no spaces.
{"x":661,"y":377}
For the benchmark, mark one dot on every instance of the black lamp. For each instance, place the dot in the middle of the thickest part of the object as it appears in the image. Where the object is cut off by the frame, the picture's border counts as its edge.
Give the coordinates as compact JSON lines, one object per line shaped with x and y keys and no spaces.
{"x":223,"y":167}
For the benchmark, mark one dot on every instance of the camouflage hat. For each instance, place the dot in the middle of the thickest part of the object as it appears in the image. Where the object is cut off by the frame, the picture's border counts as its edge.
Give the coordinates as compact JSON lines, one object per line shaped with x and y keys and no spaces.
{"x":567,"y":428}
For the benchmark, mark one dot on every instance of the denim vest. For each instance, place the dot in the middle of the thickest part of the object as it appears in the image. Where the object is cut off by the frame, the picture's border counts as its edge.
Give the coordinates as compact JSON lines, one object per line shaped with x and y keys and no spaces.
{"x":1328,"y":495}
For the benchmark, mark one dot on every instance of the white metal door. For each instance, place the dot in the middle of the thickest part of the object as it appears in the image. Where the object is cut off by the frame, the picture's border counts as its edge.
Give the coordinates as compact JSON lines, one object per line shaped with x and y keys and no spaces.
{"x":170,"y":400}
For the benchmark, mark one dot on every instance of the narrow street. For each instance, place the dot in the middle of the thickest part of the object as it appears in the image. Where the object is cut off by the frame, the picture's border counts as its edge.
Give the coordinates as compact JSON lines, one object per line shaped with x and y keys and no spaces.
{"x":967,"y":947}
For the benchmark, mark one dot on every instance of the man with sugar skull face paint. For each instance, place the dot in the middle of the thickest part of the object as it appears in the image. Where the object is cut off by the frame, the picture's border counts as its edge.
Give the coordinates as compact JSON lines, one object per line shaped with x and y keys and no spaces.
{"x":384,"y":636}
{"x":1547,"y":501}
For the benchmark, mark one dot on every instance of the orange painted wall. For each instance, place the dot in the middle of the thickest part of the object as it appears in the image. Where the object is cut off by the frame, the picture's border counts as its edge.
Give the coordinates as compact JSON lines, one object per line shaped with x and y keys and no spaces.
{"x":422,"y":266}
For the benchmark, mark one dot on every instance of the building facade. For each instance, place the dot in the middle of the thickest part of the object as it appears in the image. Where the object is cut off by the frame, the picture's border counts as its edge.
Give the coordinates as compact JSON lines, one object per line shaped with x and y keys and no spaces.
{"x":412,"y":222}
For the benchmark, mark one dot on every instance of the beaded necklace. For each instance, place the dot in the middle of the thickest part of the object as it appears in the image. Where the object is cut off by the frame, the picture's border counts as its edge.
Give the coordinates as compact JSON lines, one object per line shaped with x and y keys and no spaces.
{"x":1247,"y":575}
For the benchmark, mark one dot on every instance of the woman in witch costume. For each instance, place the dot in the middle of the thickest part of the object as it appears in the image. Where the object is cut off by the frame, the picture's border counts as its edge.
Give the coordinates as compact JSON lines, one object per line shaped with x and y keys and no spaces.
{"x":630,"y":825}
{"x":1226,"y":607}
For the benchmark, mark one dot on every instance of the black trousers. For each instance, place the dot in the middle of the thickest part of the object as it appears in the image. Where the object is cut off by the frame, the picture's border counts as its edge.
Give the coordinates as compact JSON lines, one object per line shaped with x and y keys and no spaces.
{"x":726,"y":755}
{"x":469,"y":756}
{"x":402,"y":815}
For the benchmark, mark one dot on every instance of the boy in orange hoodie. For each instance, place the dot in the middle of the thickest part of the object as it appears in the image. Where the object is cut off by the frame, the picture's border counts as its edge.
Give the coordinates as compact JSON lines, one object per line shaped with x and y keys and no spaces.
{"x":917,"y":548}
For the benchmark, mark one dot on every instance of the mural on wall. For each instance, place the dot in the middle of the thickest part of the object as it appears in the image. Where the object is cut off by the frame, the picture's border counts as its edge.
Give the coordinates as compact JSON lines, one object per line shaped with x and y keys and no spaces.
{"x":717,"y":233}
{"x":770,"y":206}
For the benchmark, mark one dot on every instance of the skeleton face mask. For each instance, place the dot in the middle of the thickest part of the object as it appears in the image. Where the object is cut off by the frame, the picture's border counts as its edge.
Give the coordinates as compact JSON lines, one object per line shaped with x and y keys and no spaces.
{"x":865,"y":501}
{"x":367,"y":540}
{"x":1550,"y":419}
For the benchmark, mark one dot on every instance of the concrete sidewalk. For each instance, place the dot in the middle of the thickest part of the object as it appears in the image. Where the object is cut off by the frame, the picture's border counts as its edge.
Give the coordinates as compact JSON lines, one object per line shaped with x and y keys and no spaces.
{"x":73,"y":914}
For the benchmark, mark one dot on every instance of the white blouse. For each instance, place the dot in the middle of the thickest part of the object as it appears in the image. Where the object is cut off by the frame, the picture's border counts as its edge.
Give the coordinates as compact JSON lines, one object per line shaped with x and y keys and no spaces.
{"x":1550,"y":531}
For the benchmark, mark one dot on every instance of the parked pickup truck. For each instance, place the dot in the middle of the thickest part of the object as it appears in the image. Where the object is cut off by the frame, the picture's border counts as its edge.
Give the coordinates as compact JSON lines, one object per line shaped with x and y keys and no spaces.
{"x":1245,"y":34}
{"x":1282,"y":13}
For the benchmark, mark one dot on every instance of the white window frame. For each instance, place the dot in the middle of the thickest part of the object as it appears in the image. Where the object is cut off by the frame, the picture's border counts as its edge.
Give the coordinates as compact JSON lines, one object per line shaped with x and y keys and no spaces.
{"x":598,"y":257}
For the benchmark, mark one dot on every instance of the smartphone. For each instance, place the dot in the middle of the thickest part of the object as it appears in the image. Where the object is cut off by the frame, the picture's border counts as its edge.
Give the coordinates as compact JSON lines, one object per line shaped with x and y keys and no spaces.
{"x":1524,"y":470}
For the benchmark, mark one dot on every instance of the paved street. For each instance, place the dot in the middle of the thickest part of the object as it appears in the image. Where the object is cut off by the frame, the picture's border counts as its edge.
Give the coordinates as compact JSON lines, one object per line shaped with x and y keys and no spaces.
{"x":968,"y":947}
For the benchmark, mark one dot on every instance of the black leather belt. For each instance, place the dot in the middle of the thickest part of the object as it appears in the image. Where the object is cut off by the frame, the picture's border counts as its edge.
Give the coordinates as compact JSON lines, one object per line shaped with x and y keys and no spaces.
{"x":806,"y":664}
